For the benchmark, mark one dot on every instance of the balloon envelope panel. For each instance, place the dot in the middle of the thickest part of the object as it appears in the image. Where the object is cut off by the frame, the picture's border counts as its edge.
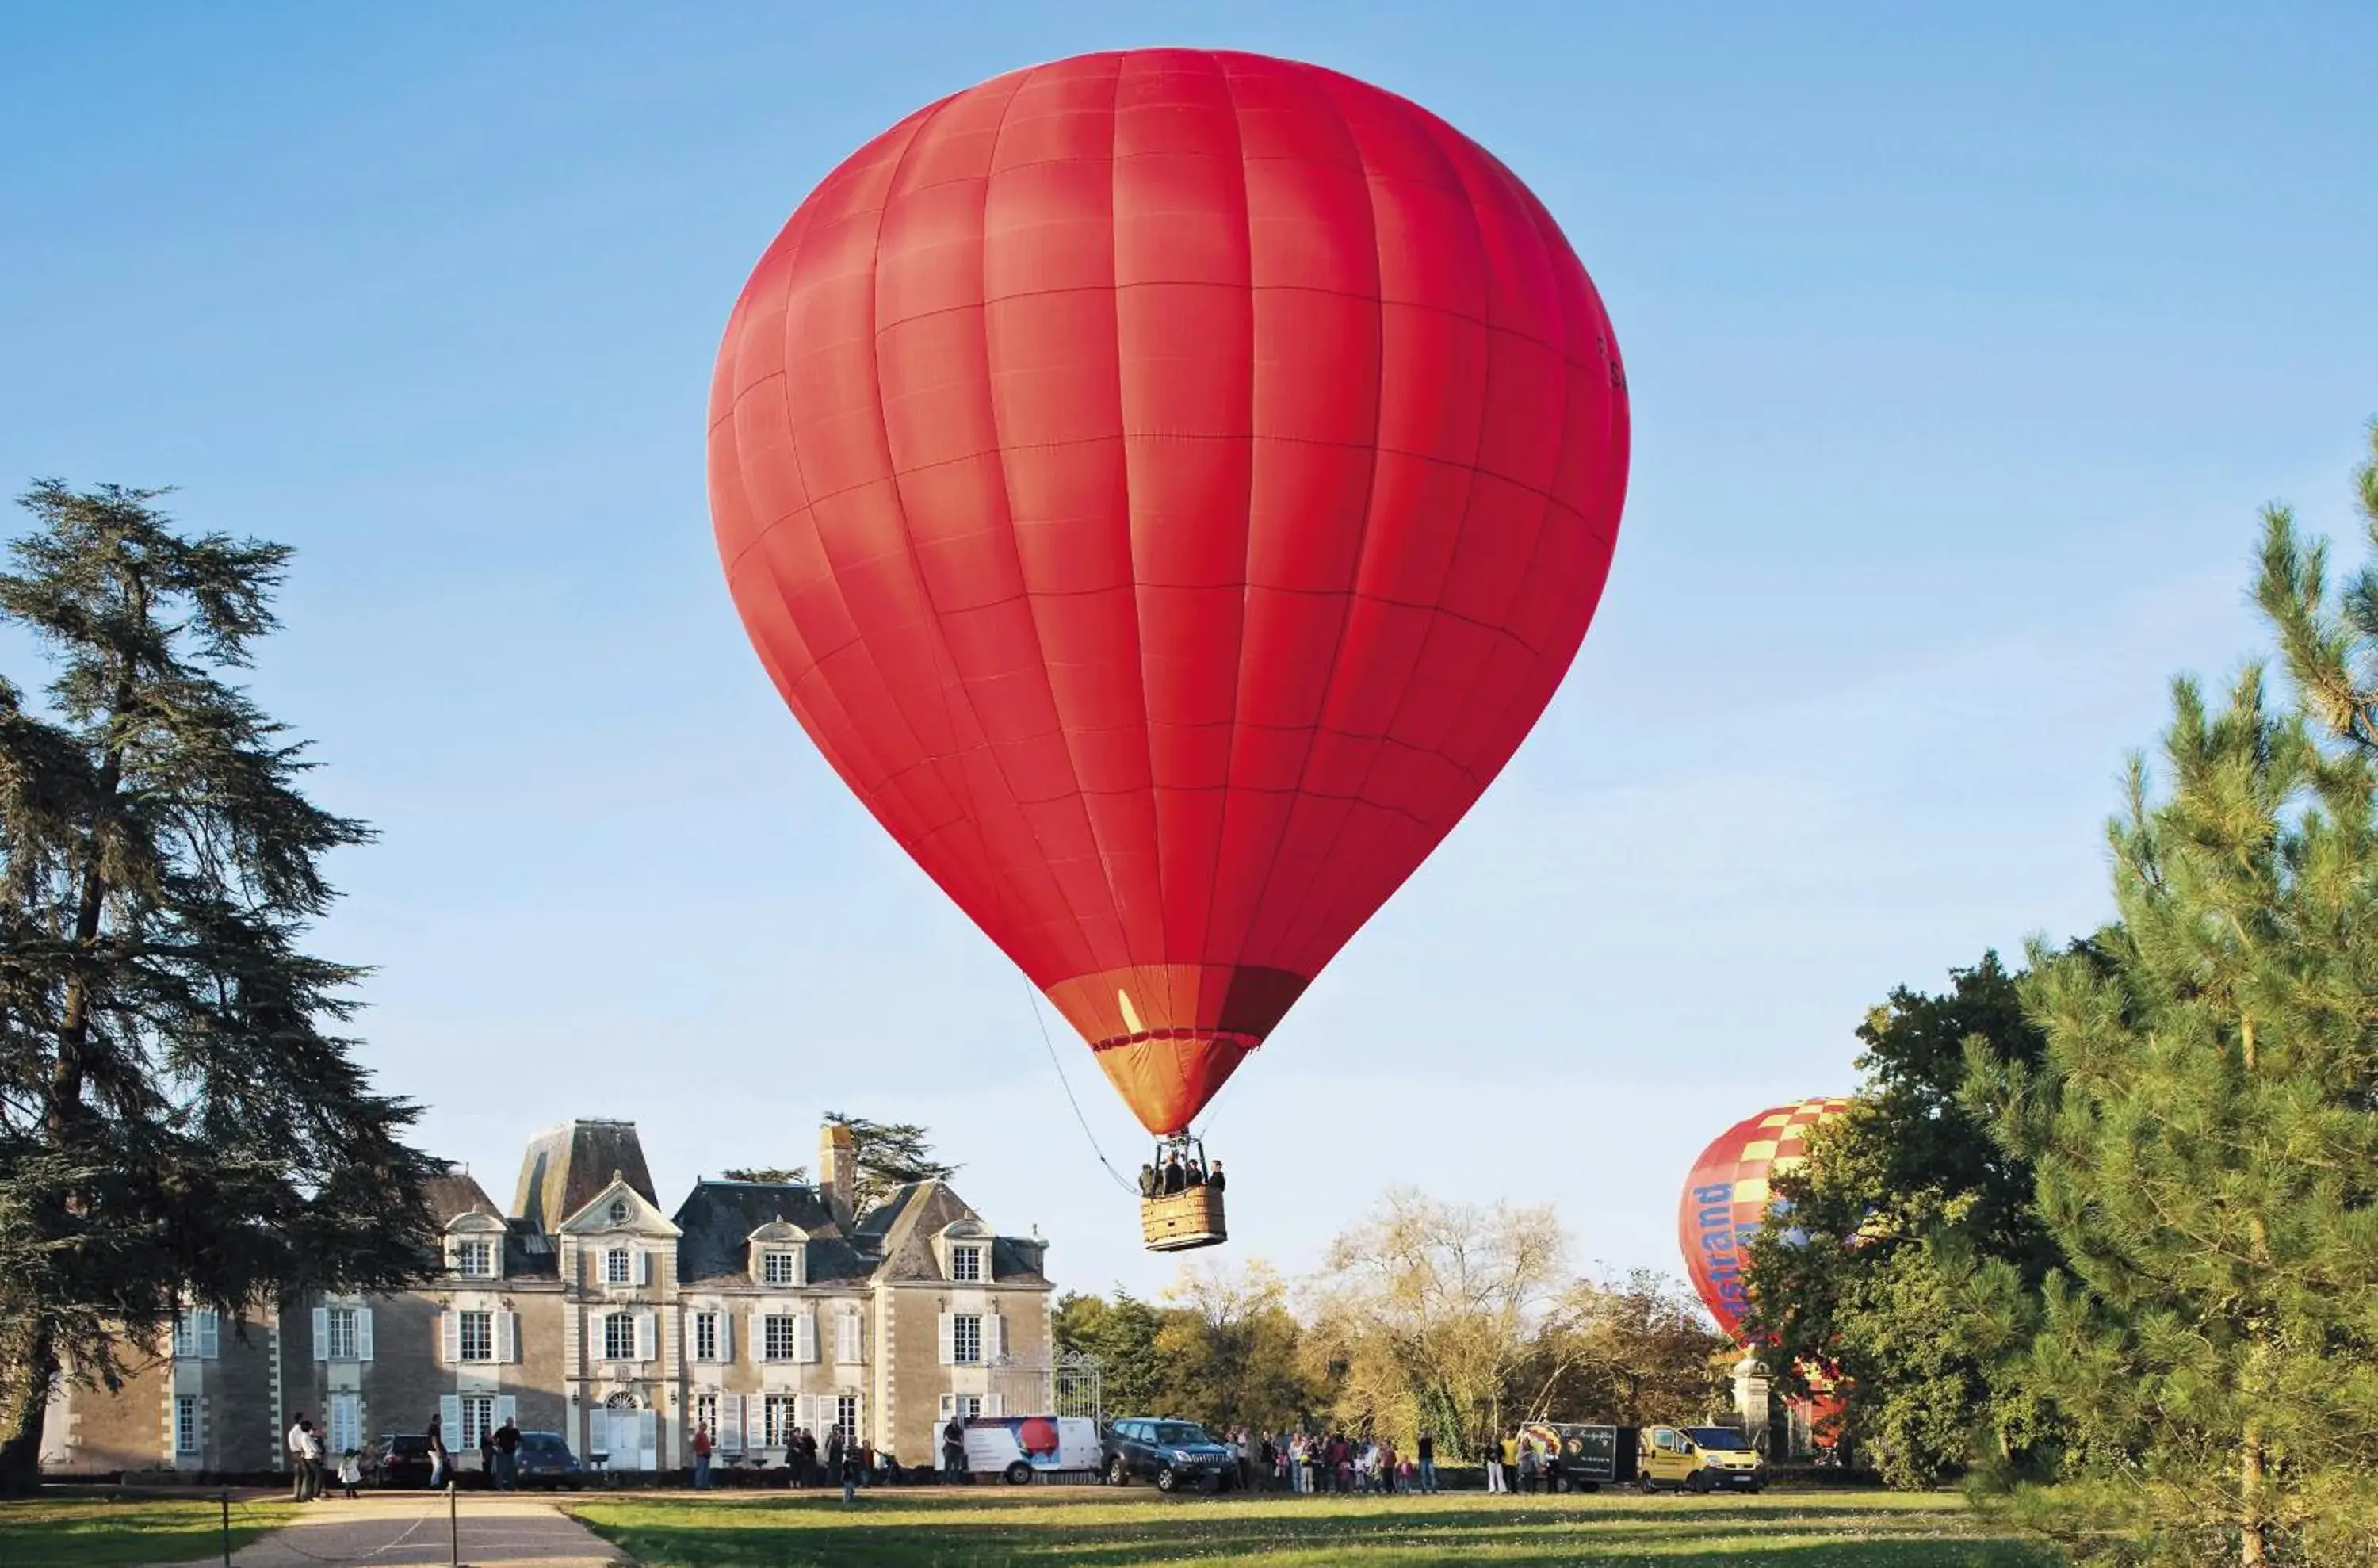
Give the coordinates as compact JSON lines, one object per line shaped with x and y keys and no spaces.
{"x":1168,"y":485}
{"x":1726,"y":1199}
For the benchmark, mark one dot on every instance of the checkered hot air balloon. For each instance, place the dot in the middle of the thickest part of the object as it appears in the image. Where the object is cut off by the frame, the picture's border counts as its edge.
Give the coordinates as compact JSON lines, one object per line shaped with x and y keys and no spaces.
{"x":1727,"y":1199}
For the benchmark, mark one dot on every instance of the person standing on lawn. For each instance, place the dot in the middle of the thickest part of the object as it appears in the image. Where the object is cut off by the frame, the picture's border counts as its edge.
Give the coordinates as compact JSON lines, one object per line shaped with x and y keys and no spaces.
{"x":701,"y":1446}
{"x":295,"y":1442}
{"x":833,"y":1451}
{"x":953,"y":1451}
{"x":1428,"y":1462}
{"x":507,"y":1455}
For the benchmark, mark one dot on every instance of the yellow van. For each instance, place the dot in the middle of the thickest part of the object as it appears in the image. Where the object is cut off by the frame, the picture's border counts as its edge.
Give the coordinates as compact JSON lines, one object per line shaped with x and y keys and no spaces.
{"x":1698,"y":1459}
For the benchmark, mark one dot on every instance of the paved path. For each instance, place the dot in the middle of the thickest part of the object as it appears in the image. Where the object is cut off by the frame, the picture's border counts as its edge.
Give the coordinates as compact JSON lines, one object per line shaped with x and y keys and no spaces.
{"x":395,"y":1530}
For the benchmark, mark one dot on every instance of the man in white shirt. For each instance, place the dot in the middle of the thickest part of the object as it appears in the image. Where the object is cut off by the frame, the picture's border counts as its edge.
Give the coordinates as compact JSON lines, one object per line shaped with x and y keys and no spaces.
{"x":301,"y":1470}
{"x":313,"y":1452}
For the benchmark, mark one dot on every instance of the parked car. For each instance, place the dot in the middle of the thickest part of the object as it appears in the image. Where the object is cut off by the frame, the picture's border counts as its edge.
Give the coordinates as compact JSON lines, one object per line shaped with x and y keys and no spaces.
{"x":545,"y":1460}
{"x":404,"y":1459}
{"x":1171,"y":1454}
{"x":1699,"y":1459}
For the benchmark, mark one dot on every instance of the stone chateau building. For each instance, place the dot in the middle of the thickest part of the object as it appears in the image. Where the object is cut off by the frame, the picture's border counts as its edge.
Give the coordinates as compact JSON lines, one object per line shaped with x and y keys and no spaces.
{"x":759,"y":1306}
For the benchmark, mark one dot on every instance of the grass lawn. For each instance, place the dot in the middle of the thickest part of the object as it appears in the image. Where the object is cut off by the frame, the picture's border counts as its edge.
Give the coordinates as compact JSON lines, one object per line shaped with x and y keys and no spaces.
{"x":103,"y":1533}
{"x":1047,"y":1526}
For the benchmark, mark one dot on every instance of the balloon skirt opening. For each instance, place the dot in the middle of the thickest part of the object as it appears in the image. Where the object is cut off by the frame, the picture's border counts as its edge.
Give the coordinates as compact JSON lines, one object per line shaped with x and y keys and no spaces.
{"x":1167,"y":1082}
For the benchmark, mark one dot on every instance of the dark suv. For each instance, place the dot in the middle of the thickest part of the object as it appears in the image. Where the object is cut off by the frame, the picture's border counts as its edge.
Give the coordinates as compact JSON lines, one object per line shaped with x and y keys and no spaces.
{"x":1171,"y":1454}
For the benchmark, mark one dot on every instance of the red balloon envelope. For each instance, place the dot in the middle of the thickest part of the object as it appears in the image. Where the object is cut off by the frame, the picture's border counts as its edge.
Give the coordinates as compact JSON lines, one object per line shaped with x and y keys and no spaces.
{"x":1726,"y":1199}
{"x":1168,"y":485}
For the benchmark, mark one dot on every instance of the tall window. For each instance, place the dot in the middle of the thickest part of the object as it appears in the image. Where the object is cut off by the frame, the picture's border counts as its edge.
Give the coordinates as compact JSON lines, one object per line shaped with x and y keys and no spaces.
{"x":196,"y":1334}
{"x":475,"y":1259}
{"x":618,"y":1267}
{"x":847,"y":1338}
{"x":477,"y":1335}
{"x":341,"y":1323}
{"x":620,"y":1336}
{"x":346,"y":1423}
{"x":777,"y":1421}
{"x":186,"y":1423}
{"x":705,"y":1340}
{"x":776,"y":1337}
{"x":706,"y":1413}
{"x":966,"y":1265}
{"x":478,"y":1419}
{"x":846,"y":1416}
{"x":779,"y":1268}
{"x":966,"y":1339}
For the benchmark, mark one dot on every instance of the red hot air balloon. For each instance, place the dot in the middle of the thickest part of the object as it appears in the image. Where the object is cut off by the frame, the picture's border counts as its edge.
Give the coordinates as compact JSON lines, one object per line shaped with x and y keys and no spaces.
{"x":1168,"y":485}
{"x":1726,"y":1197}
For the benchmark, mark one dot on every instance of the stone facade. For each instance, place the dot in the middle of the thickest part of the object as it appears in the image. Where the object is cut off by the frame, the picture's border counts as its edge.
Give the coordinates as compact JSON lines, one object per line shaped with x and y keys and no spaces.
{"x":760,"y":1307}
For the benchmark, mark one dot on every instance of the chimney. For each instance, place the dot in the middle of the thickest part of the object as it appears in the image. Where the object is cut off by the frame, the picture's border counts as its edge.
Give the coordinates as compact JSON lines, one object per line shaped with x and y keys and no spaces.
{"x":837,"y":1170}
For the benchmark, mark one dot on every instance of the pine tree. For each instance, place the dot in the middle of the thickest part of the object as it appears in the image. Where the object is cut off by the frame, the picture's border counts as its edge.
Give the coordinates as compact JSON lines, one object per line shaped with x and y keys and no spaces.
{"x":2204,"y":1128}
{"x":179,"y":1123}
{"x":888,"y":1155}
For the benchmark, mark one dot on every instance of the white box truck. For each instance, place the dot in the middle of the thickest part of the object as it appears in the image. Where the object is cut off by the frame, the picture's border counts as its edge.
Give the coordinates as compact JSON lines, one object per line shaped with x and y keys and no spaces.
{"x":1019,"y":1447}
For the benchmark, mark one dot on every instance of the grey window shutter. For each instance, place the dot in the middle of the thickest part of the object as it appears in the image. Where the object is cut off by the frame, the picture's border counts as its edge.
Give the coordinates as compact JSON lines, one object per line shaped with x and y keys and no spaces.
{"x":210,"y":1334}
{"x":949,"y":1346}
{"x":648,"y":1337}
{"x":648,"y":1433}
{"x":449,"y":1421}
{"x":994,"y":1336}
{"x":450,"y":1338}
{"x":507,"y":1408}
{"x":363,"y":1333}
{"x":643,"y":1266}
{"x":730,"y":1423}
{"x":725,"y":1335}
{"x":321,"y":1334}
{"x":506,"y":1336}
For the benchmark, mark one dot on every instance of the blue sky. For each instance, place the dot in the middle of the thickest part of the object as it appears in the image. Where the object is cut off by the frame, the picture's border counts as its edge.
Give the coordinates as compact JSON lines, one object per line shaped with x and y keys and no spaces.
{"x":1961,"y":355}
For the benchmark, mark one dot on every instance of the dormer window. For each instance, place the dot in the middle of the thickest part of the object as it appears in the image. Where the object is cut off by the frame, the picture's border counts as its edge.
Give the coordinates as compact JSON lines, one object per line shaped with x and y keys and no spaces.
{"x":966,"y":1265}
{"x":780,"y":1266}
{"x":475,"y":1259}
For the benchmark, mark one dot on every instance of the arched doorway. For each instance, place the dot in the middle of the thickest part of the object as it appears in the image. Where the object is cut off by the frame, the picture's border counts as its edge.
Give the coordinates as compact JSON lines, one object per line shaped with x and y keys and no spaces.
{"x":626,"y":1435}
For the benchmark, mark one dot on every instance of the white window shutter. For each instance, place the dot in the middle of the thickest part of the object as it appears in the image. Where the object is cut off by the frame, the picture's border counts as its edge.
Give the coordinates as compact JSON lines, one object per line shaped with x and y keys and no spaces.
{"x":210,"y":1335}
{"x":949,"y":1346}
{"x":648,"y":1439}
{"x":643,"y":1266}
{"x":805,"y":1340}
{"x":994,"y":1336}
{"x":507,"y":1408}
{"x":994,"y":1404}
{"x":805,"y":1415}
{"x":725,"y":1335}
{"x":450,"y":1338}
{"x":648,"y":1337}
{"x":506,"y":1336}
{"x":321,"y":1334}
{"x":847,"y":1338}
{"x":449,"y":1421}
{"x":730,"y":1423}
{"x":363,"y":1333}
{"x":949,"y":1409}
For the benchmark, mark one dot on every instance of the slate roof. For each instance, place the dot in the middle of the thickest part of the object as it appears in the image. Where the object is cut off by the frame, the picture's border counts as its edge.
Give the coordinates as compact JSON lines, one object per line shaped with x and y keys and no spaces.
{"x":566,"y":1166}
{"x":718,"y":1217}
{"x":457,"y":1193}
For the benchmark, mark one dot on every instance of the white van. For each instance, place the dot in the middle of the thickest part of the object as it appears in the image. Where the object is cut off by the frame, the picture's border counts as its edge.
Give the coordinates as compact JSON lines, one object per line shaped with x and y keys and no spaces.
{"x":1019,"y":1446}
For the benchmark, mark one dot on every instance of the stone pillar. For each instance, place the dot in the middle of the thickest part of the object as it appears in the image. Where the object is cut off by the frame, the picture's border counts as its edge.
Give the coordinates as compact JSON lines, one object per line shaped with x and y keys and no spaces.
{"x":1751,"y":1400}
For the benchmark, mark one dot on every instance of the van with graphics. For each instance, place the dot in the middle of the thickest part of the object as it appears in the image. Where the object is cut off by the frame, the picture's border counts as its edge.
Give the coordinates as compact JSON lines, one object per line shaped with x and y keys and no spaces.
{"x":1019,"y":1447}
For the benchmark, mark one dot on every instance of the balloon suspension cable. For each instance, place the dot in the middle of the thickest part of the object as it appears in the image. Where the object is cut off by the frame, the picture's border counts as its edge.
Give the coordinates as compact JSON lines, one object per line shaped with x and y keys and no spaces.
{"x":1034,"y":997}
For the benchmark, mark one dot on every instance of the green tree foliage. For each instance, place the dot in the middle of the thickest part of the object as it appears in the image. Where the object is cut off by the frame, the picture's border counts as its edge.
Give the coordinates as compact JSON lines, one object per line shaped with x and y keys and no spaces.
{"x":888,"y":1155}
{"x":178,"y":1119}
{"x":1230,"y":1351}
{"x":1121,"y":1334}
{"x":2204,"y":1126}
{"x":1860,"y":1270}
{"x":1633,"y":1349}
